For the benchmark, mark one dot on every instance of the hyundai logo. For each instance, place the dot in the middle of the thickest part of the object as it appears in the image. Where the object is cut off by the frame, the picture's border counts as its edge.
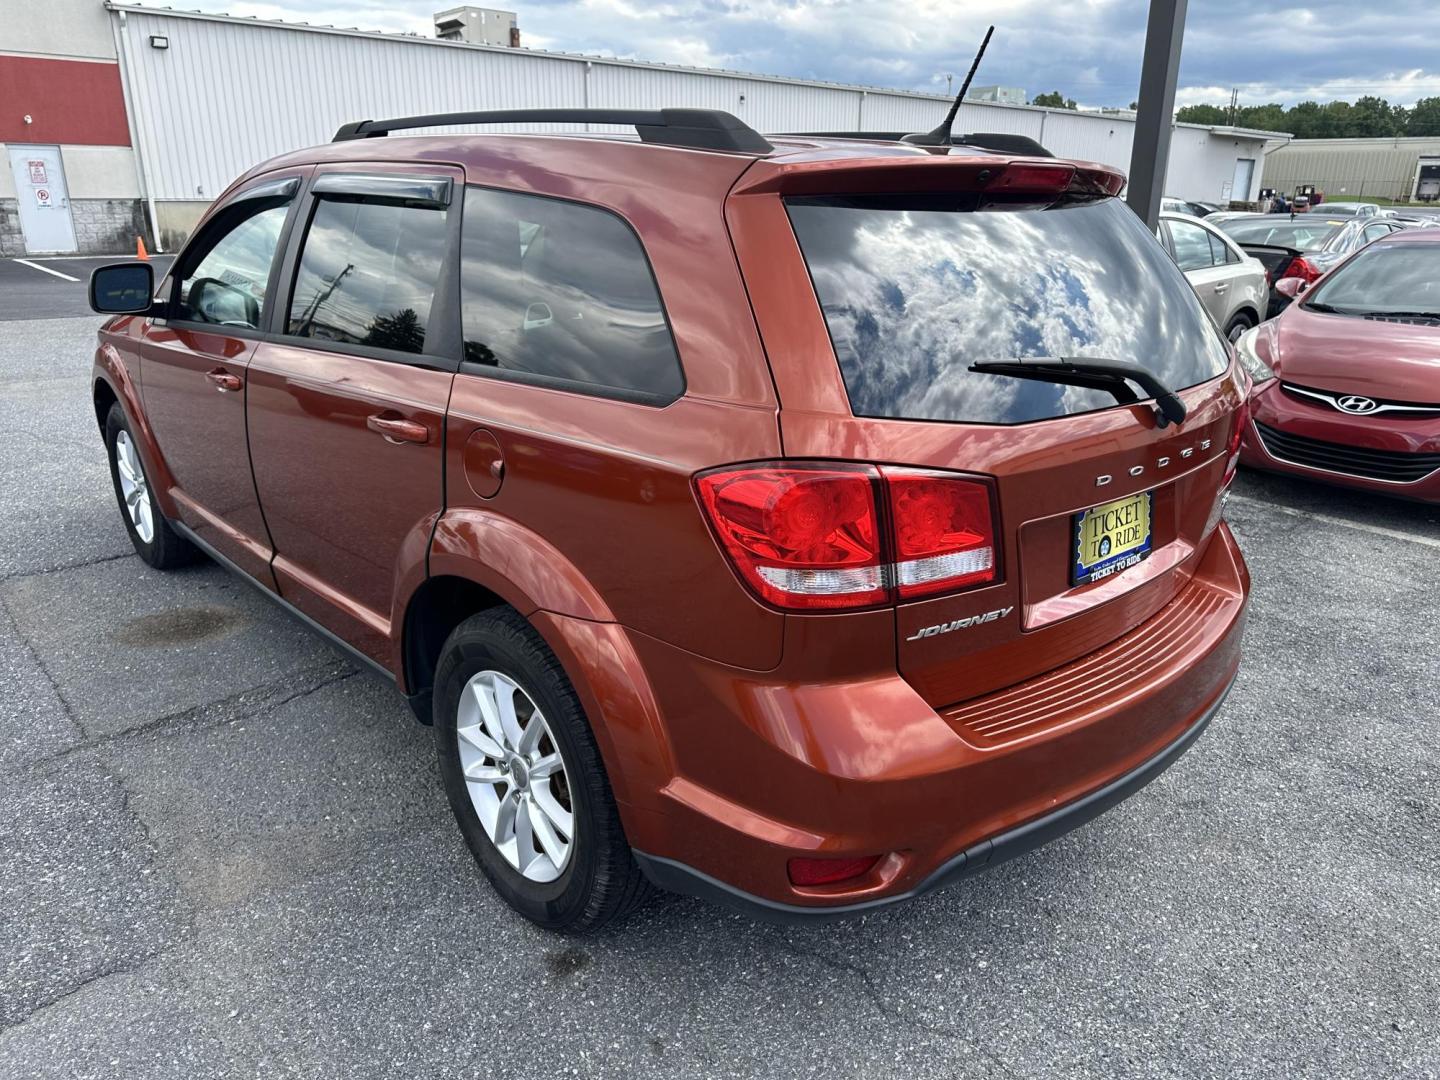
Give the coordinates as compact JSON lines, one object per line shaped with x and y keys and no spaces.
{"x":1356,"y":404}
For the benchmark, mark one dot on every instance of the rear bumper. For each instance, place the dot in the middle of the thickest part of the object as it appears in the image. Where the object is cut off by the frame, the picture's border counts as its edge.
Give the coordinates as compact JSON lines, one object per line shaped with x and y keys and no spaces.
{"x":678,"y":877}
{"x":763,"y":767}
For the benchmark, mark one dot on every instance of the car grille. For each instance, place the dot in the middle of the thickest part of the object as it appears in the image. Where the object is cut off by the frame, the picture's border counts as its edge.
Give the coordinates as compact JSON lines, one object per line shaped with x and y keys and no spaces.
{"x":1393,"y":465}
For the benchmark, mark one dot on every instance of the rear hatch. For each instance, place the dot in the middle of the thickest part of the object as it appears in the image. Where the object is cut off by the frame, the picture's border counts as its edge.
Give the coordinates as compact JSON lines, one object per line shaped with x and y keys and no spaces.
{"x":913,"y":289}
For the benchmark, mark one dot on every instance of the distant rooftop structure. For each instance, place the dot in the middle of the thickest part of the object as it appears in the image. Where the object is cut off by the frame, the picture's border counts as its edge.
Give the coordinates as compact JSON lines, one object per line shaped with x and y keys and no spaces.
{"x":478,"y":26}
{"x":1004,"y":95}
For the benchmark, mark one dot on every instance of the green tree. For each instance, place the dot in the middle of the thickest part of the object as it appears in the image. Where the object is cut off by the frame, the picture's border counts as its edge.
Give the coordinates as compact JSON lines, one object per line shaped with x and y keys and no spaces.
{"x":1202,"y":114}
{"x":1271,"y":117}
{"x":1305,"y":120}
{"x":1424,"y":118}
{"x":1372,"y":117}
{"x":1054,"y":100}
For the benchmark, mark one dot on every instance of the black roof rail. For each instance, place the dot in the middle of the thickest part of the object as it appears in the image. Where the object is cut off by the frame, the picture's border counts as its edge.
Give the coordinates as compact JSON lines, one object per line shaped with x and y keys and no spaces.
{"x":1002,"y":141}
{"x":699,"y":129}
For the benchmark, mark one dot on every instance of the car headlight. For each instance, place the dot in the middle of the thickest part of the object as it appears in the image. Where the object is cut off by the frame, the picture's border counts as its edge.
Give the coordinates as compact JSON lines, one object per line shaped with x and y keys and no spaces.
{"x":1257,"y":369}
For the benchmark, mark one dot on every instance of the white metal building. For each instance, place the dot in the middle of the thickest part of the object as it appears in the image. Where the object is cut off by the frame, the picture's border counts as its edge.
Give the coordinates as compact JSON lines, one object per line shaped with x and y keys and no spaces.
{"x":1402,"y":169}
{"x":208,"y":96}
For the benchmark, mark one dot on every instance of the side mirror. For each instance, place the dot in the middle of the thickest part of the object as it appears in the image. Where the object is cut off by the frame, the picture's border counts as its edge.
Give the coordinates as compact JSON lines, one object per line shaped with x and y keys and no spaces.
{"x":122,"y":288}
{"x":1291,"y":287}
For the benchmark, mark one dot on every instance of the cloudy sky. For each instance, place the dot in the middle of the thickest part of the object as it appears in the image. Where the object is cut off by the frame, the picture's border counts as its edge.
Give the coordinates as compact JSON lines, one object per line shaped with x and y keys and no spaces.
{"x":1088,"y":49}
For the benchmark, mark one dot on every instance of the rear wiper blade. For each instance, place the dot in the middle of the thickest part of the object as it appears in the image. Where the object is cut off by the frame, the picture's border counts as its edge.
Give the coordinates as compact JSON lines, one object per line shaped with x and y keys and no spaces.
{"x":1101,"y":373}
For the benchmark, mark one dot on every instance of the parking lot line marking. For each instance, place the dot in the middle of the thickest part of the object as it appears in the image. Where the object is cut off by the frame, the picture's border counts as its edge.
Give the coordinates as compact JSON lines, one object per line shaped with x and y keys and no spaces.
{"x":1310,"y":515}
{"x":45,"y":269}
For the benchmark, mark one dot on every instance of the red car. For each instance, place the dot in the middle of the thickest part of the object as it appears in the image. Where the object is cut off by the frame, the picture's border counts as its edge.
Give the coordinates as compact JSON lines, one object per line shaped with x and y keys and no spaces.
{"x":803,"y":523}
{"x":1347,"y":380}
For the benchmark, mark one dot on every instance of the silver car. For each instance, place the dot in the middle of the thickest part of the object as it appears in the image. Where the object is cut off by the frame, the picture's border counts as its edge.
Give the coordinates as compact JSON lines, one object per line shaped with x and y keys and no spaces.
{"x":1233,"y":286}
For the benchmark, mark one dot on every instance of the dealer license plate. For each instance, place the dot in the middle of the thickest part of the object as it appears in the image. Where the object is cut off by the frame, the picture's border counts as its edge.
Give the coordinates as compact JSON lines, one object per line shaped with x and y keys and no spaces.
{"x":1110,"y":538}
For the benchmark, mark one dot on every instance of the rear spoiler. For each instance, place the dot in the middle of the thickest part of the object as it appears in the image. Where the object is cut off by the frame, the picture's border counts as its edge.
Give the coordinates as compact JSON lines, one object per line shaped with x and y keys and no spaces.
{"x":1000,"y":141}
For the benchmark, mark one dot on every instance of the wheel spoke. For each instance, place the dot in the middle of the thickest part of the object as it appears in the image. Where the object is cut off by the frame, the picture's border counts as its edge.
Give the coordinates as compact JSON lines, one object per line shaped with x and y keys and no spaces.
{"x":545,"y":799}
{"x":489,"y":714}
{"x":547,"y":766}
{"x":545,"y":832}
{"x":477,"y":738}
{"x":505,"y":702}
{"x":530,"y":737}
{"x":505,"y":819}
{"x":525,"y":834}
{"x":482,"y":772}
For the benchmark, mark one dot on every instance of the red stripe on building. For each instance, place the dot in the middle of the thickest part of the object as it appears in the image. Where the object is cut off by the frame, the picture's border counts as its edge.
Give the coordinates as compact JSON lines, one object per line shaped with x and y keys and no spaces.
{"x":68,"y":101}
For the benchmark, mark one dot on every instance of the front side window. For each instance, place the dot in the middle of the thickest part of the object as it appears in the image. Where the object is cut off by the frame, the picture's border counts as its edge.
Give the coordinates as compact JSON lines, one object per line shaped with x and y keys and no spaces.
{"x":916,"y":289}
{"x":228,"y":283}
{"x":367,"y":275}
{"x":555,"y":290}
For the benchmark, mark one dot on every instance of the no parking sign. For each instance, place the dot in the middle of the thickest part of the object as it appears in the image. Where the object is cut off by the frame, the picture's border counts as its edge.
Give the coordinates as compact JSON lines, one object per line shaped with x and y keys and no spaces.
{"x":42,"y":196}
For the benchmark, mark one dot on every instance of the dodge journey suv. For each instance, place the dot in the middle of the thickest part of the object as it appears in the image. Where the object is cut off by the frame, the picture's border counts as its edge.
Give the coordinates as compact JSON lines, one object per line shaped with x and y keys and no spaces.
{"x":801,"y":522}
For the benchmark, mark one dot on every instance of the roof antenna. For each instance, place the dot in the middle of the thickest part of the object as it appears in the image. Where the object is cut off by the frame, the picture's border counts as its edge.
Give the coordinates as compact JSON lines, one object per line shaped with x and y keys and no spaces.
{"x":941,"y":135}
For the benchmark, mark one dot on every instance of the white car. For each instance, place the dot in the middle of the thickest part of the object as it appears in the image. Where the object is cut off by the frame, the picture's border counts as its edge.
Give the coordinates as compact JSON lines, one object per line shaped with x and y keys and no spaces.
{"x":1233,"y":286}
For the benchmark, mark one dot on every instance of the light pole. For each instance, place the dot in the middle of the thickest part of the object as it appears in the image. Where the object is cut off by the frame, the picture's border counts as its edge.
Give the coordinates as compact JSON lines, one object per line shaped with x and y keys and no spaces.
{"x":1150,"y":154}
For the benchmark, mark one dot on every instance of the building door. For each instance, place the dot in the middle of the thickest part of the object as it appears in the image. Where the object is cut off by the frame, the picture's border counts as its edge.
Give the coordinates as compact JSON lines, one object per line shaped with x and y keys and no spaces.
{"x":44,"y":200}
{"x":1244,"y":174}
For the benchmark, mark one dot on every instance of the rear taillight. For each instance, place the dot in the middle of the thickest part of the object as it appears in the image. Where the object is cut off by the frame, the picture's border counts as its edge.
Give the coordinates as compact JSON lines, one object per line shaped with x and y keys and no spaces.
{"x":1302,"y":268}
{"x":801,"y":536}
{"x":815,"y":536}
{"x":944,"y":532}
{"x":1232,"y":448}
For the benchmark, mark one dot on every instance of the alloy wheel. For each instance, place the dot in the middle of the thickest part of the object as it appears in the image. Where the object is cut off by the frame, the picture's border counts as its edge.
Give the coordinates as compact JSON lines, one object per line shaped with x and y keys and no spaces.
{"x":134,"y":488}
{"x":515,"y":776}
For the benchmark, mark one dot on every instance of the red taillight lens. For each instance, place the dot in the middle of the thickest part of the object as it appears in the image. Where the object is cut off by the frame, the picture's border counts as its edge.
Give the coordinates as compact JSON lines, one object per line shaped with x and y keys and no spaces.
{"x":1302,"y":268}
{"x":944,"y":532}
{"x":829,"y":871}
{"x":1232,"y":448}
{"x":802,"y":537}
{"x":809,"y":537}
{"x":1037,"y":179}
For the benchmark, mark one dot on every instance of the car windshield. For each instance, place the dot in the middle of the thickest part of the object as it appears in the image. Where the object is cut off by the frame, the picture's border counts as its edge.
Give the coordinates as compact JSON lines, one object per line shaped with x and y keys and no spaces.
{"x":1337,"y":209}
{"x":1306,"y":235}
{"x":916,"y":289}
{"x":1386,"y":279}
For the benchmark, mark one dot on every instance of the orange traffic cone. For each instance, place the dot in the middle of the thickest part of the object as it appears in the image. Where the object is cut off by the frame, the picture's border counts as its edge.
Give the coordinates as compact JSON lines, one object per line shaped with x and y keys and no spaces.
{"x":140,"y":252}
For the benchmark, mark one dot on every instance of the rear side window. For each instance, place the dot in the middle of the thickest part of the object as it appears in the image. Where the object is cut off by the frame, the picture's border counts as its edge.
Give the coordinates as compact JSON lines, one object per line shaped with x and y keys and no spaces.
{"x":915,"y":290}
{"x":367,"y":274}
{"x":560,"y":293}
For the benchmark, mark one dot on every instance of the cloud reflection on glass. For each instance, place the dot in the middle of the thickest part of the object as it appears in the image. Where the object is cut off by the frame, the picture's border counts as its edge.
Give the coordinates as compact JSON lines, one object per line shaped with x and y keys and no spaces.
{"x":914,"y":294}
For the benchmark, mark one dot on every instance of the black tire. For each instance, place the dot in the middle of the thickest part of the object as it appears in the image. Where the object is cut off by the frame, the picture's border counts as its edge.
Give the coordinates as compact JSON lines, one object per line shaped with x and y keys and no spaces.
{"x":1238,"y":325}
{"x":600,"y":881}
{"x":166,"y":549}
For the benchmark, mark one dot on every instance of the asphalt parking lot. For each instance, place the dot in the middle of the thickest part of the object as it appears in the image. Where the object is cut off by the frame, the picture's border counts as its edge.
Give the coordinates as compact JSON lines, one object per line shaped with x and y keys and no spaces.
{"x":226,"y":850}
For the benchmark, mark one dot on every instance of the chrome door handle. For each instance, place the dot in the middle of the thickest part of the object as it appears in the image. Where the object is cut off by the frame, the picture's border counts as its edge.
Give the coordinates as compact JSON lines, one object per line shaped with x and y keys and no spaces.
{"x":1222,"y":287}
{"x":223,"y":380}
{"x":398,"y":430}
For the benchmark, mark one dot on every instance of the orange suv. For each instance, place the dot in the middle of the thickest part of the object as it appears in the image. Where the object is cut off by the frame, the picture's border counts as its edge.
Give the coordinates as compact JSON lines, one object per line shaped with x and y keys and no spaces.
{"x":801,"y":522}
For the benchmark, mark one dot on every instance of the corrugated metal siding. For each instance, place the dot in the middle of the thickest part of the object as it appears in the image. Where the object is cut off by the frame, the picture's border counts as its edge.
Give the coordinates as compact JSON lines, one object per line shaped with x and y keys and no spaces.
{"x":1349,"y":167}
{"x":229,"y":93}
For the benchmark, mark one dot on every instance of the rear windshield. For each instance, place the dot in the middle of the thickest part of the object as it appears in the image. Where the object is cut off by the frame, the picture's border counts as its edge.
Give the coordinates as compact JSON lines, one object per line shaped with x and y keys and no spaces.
{"x":915,"y":290}
{"x":1281,"y":231}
